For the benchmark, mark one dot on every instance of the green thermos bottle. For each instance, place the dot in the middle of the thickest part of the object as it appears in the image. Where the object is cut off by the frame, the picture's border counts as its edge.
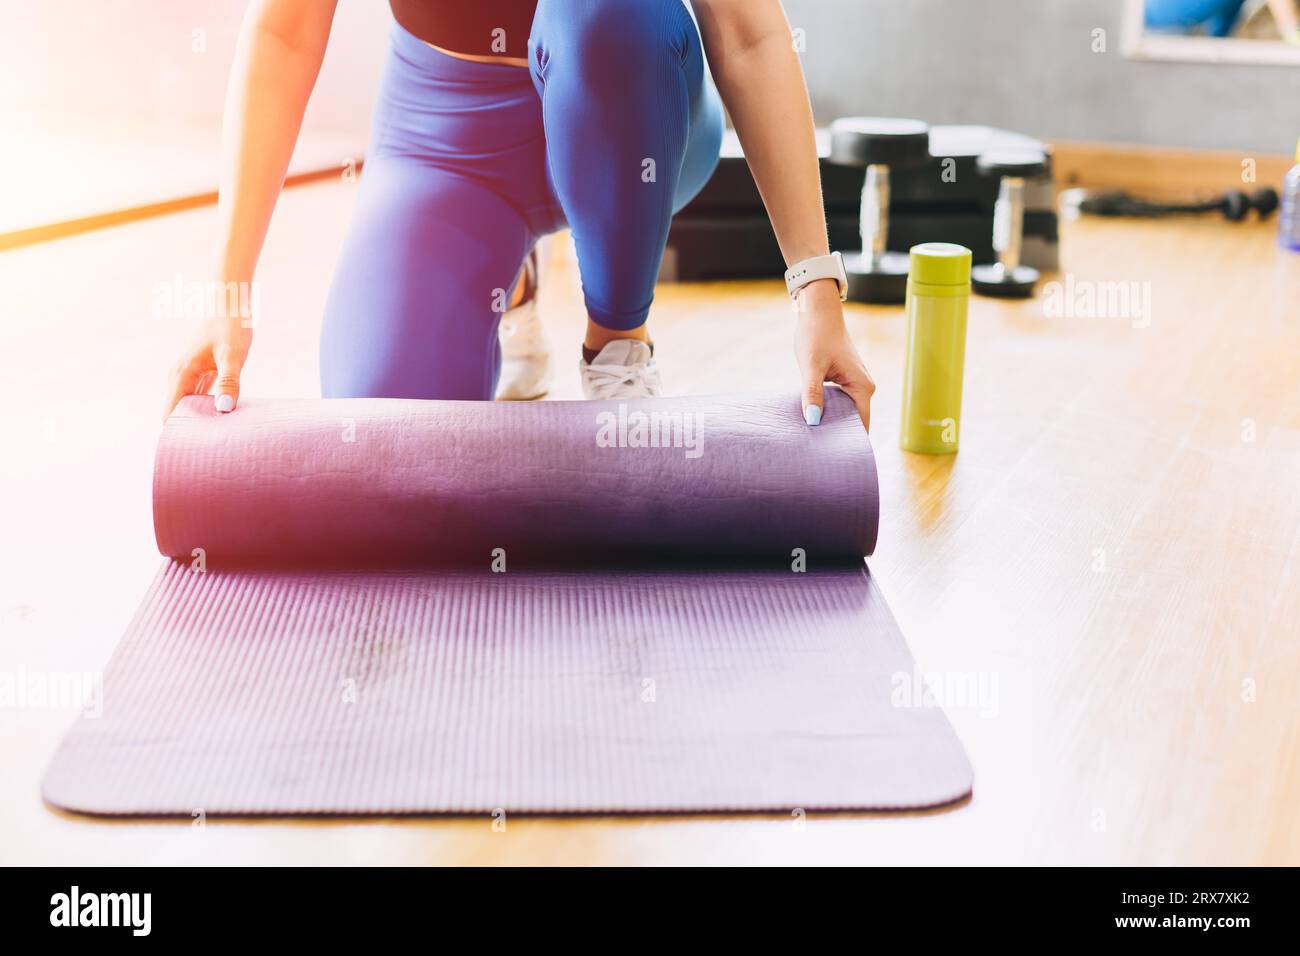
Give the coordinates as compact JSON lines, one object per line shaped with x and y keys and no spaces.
{"x":938,"y":292}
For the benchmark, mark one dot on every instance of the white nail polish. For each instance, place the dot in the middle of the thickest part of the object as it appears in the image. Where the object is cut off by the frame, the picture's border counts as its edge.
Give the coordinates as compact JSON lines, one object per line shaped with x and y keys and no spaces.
{"x":225,"y":403}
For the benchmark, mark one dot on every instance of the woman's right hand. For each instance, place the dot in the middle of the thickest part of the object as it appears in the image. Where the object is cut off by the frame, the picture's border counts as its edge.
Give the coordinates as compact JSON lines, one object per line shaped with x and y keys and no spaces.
{"x":213,"y":363}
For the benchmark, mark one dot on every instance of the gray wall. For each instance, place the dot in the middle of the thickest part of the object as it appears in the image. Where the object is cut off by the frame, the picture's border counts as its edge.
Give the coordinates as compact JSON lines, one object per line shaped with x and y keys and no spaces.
{"x":1028,"y":65}
{"x":1022,"y":64}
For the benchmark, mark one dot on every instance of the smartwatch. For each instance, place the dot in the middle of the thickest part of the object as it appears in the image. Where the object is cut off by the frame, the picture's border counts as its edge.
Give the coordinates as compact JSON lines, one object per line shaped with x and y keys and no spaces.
{"x":819,"y":267}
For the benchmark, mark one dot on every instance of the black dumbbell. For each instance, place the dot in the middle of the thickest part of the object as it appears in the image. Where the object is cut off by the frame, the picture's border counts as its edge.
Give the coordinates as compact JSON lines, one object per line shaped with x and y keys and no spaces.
{"x":1007,"y":277}
{"x":1233,"y":204}
{"x":877,"y":145}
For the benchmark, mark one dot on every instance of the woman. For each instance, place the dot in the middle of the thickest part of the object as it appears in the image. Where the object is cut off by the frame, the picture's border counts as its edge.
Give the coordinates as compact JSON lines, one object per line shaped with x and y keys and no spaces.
{"x":496,"y":124}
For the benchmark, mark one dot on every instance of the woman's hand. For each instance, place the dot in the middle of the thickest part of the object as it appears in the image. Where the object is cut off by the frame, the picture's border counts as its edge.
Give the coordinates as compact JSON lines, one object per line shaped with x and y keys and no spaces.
{"x":214,"y":362}
{"x":826,"y":353}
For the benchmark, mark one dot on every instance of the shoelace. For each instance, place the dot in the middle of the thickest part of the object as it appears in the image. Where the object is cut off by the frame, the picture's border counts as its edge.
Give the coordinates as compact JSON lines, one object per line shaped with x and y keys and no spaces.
{"x":619,"y":381}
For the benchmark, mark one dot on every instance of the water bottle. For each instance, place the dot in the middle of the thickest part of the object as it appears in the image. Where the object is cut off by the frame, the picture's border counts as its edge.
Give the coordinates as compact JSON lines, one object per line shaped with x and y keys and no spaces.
{"x":1288,"y":230}
{"x":938,"y":293}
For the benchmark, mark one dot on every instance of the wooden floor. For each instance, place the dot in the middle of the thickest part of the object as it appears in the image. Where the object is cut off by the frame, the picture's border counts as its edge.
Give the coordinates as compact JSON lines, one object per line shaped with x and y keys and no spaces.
{"x":1115,"y":551}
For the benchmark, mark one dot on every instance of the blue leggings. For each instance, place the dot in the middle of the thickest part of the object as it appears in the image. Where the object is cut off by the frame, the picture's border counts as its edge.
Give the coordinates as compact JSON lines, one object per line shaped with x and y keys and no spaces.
{"x":613,"y":127}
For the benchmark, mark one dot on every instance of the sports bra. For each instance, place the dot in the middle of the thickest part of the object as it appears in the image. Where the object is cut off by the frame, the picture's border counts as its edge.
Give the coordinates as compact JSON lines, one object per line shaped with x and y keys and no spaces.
{"x":475,"y":28}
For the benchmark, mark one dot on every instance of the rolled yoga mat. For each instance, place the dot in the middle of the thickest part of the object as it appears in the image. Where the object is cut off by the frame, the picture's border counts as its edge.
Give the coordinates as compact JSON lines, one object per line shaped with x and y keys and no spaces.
{"x":376,"y":606}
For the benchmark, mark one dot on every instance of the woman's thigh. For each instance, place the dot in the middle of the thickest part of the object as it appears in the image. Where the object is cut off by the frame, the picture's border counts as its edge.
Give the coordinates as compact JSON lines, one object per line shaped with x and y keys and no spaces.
{"x":424,"y":276}
{"x":657,"y":39}
{"x":633,"y":128}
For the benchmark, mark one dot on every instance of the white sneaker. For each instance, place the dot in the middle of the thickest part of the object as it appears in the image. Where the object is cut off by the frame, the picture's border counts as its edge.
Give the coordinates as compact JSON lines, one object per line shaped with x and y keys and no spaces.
{"x":625,"y":368}
{"x":525,"y":350}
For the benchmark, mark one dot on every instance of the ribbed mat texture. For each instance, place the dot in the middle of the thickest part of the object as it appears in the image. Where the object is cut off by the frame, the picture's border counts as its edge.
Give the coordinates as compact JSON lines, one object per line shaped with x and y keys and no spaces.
{"x":419,"y":691}
{"x":266,"y":676}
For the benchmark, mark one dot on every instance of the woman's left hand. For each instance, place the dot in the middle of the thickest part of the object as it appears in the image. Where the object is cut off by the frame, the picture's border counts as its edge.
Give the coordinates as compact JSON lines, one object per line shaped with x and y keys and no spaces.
{"x":826,"y":353}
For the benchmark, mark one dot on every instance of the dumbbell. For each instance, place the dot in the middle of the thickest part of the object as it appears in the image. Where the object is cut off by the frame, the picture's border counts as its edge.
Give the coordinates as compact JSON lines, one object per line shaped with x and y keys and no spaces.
{"x":1007,"y":277}
{"x":1234,"y":204}
{"x":878,"y":145}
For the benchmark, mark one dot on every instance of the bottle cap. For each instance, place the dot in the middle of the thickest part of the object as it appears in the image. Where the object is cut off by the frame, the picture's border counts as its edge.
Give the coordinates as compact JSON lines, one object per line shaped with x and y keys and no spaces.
{"x":940,"y":263}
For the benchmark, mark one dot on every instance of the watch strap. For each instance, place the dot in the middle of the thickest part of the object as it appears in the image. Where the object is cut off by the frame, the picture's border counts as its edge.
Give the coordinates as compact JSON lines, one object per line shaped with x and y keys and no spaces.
{"x":811,"y":270}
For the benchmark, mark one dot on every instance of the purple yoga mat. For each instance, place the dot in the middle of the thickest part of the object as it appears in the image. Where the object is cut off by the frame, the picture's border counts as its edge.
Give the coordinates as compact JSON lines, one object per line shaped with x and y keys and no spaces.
{"x":378,"y":482}
{"x":379,"y":606}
